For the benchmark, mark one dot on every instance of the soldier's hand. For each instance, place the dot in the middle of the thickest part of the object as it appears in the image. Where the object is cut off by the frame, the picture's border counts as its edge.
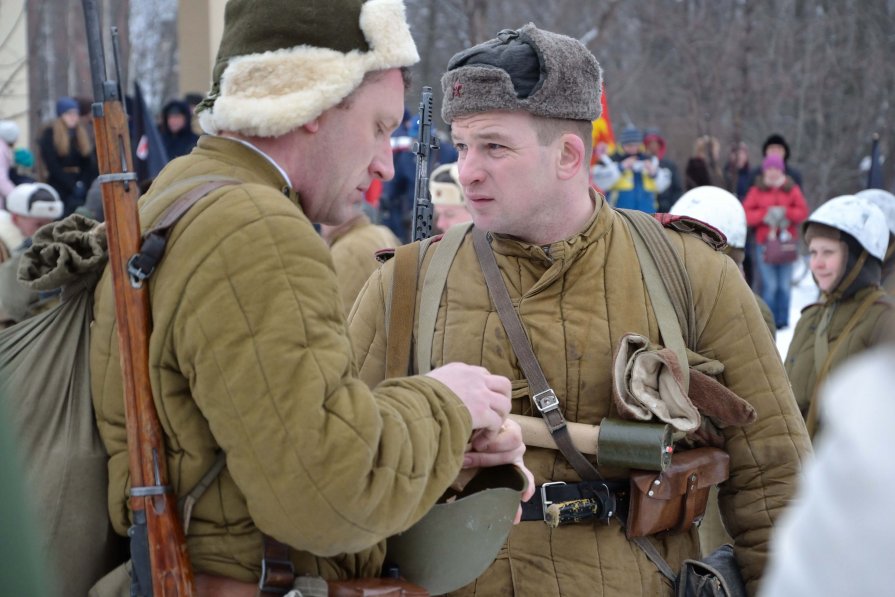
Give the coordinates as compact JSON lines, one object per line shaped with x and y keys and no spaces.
{"x":505,"y":446}
{"x":486,"y":396}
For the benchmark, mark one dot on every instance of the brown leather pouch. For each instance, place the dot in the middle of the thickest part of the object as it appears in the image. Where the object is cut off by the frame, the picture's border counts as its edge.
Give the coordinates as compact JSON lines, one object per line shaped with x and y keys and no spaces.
{"x":676,"y":498}
{"x":375,"y":587}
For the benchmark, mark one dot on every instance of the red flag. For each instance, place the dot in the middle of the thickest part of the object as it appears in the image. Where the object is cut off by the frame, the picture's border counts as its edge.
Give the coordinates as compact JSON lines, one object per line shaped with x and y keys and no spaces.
{"x":602,"y":129}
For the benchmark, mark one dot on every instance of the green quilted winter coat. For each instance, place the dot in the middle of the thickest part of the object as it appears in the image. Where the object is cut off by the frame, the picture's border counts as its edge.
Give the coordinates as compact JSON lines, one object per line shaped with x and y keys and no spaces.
{"x":249,"y":354}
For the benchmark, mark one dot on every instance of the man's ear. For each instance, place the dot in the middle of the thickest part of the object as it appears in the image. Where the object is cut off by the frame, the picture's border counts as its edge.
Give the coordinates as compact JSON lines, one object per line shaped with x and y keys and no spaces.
{"x":571,"y":156}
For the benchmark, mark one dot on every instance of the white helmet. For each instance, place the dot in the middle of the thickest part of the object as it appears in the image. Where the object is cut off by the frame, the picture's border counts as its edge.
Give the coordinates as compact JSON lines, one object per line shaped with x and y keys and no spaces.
{"x":883,"y":200}
{"x":444,"y":185}
{"x":858,"y":217}
{"x":9,"y":131}
{"x":717,"y":208}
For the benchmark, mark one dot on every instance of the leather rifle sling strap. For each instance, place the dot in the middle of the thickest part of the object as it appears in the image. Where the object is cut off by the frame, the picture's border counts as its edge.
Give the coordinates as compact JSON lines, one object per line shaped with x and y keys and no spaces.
{"x":543,"y":397}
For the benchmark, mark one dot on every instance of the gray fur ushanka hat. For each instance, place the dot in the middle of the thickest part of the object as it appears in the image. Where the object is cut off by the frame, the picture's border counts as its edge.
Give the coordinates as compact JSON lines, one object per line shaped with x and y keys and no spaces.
{"x":544,"y":73}
{"x":282,"y":63}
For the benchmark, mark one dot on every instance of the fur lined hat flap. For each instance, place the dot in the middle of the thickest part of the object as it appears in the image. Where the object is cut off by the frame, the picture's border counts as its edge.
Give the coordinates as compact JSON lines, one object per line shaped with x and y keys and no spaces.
{"x":282,"y":63}
{"x":529,"y":69}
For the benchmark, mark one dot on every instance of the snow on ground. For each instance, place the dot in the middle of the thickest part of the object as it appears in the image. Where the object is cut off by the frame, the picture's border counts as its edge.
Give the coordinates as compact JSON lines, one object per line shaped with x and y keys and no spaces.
{"x":804,"y":292}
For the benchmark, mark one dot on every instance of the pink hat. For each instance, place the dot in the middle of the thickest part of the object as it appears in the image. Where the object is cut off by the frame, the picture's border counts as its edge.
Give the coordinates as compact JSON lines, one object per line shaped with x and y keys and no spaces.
{"x":773,"y":161}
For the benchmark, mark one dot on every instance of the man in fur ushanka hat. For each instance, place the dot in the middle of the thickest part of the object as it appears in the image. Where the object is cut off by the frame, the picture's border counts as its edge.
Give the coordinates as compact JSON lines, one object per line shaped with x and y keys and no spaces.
{"x":520,"y":108}
{"x":249,"y":354}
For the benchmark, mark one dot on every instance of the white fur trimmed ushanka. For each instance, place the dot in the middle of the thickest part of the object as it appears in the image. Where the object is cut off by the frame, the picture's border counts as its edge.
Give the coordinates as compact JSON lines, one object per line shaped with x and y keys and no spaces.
{"x":271,"y":93}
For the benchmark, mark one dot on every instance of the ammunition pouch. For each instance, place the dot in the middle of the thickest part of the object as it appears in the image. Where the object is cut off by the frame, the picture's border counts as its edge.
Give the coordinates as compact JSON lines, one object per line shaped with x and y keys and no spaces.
{"x":675,"y":499}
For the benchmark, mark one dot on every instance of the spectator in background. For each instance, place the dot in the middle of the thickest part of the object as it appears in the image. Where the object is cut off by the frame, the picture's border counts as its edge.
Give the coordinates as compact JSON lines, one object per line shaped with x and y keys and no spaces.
{"x":737,"y":180}
{"x":9,"y":134}
{"x":704,"y":166}
{"x":175,"y":128}
{"x":396,"y":201}
{"x":447,"y":197}
{"x":737,"y":175}
{"x":774,"y":207}
{"x":31,"y":206}
{"x":655,"y":146}
{"x":193,"y":100}
{"x":776,"y":145}
{"x":67,"y":154}
{"x":633,"y":178}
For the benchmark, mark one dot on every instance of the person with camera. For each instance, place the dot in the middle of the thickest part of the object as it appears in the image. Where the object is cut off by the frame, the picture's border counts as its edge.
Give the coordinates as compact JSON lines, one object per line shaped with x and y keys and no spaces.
{"x":633,"y":178}
{"x":774,"y":207}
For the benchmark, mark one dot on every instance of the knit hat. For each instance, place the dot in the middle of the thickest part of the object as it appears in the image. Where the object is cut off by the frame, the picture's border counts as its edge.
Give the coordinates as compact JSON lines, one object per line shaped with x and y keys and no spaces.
{"x":9,"y":131}
{"x":630,"y":134}
{"x":444,"y":185}
{"x":282,"y":63}
{"x":529,"y":69}
{"x":776,"y":139}
{"x":34,"y":200}
{"x":64,"y":104}
{"x":772,"y":161}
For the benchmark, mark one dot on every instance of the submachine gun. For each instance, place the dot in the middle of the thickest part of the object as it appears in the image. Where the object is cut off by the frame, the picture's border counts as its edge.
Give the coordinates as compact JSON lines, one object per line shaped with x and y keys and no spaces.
{"x":158,"y":545}
{"x":423,"y":146}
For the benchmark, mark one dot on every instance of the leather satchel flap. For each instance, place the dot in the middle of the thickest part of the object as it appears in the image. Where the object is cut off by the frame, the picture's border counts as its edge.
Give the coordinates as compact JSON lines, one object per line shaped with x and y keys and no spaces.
{"x":710,"y":465}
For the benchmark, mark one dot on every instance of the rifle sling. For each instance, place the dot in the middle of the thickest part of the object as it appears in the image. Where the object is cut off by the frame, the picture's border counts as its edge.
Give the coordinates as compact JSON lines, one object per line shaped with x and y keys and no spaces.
{"x":433,"y":287}
{"x":543,"y":398}
{"x":155,"y":240}
{"x":400,"y":321}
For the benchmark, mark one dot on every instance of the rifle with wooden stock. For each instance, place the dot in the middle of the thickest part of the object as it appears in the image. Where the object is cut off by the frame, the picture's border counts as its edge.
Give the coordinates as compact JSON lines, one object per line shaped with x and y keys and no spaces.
{"x":158,"y":544}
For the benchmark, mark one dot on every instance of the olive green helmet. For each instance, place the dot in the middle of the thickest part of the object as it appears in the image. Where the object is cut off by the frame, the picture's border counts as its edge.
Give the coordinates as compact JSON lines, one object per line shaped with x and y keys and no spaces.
{"x":460,"y":536}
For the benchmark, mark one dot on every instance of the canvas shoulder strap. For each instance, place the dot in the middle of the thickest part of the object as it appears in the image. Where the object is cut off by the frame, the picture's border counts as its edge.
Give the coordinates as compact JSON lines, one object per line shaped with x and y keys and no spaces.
{"x":667,"y":284}
{"x":433,"y":287}
{"x":399,"y":333}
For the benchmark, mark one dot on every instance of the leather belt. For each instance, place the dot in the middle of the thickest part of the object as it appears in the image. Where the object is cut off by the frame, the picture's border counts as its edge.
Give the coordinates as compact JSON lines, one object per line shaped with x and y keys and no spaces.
{"x":558,"y":492}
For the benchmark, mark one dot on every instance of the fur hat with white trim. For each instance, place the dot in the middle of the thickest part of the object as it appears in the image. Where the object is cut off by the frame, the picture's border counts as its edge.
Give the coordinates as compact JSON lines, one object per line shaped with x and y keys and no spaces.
{"x":444,"y":185}
{"x":282,"y":63}
{"x":35,"y":200}
{"x":530,"y":69}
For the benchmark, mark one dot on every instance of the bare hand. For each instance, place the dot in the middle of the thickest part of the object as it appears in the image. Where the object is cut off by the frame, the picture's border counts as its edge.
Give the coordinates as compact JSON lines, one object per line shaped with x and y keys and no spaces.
{"x":486,"y":396}
{"x":505,"y":446}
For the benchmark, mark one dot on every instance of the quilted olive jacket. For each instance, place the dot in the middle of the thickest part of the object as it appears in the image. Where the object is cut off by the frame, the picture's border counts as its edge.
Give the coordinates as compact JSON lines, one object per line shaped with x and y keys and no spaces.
{"x":576,"y":299}
{"x":803,"y":361}
{"x":249,"y":354}
{"x":353,"y":250}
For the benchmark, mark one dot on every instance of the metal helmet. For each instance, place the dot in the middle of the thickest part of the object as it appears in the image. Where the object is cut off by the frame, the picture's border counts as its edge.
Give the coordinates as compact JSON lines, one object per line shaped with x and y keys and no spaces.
{"x":855,"y":216}
{"x":456,"y":541}
{"x":717,"y":208}
{"x":883,"y":200}
{"x":444,"y":185}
